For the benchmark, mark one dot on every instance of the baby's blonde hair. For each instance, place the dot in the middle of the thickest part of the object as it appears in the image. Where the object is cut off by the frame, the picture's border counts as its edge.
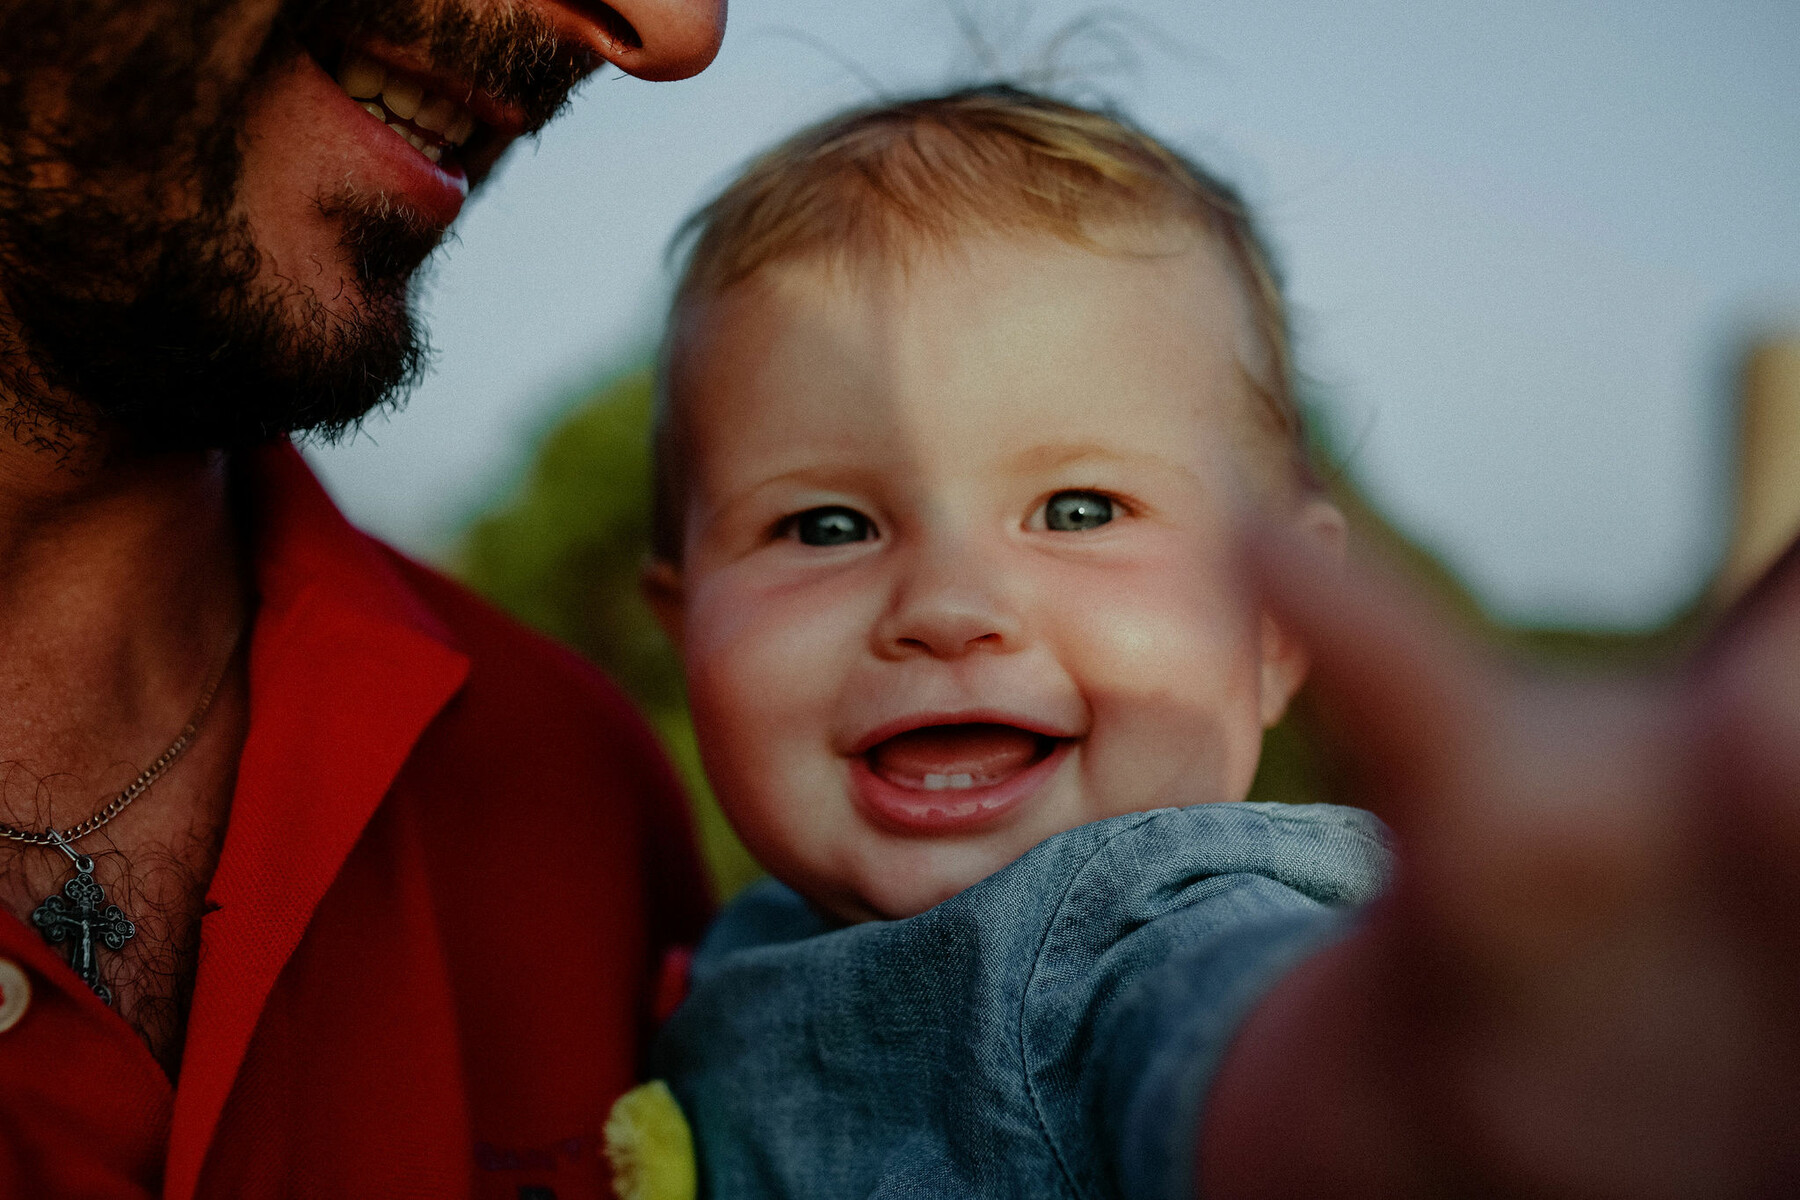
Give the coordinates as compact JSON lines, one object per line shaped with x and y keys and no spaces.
{"x":885,"y":181}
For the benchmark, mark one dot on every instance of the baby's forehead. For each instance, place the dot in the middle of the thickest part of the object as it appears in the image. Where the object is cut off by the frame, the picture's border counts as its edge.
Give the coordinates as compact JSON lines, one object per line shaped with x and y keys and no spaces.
{"x":1126,"y":284}
{"x":1036,"y":326}
{"x":998,"y":260}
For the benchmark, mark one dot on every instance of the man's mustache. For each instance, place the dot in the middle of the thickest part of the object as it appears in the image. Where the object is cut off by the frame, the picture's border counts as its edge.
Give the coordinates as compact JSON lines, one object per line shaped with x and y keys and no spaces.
{"x":510,"y":51}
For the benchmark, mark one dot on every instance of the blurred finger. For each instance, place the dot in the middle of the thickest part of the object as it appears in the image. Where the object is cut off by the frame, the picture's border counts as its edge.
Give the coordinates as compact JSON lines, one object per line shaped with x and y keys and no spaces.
{"x":1745,"y":707}
{"x":1536,"y":814}
{"x":1747,"y":680}
{"x":1760,"y":636}
{"x":1406,"y":698}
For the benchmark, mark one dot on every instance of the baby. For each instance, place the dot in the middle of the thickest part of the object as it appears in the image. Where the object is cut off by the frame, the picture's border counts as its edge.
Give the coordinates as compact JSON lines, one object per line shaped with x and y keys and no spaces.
{"x":976,"y":411}
{"x":964,"y":398}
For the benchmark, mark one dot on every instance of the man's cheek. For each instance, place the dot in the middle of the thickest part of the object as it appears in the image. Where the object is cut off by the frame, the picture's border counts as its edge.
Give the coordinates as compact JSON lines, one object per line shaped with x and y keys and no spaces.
{"x":293,"y":187}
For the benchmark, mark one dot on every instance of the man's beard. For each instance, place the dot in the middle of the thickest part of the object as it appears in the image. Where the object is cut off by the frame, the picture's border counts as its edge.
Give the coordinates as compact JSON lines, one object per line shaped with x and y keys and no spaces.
{"x":200,"y":354}
{"x":115,"y":317}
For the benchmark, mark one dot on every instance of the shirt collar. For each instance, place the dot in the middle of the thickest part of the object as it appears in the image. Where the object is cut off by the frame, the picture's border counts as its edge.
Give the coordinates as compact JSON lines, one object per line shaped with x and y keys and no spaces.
{"x":348,"y":666}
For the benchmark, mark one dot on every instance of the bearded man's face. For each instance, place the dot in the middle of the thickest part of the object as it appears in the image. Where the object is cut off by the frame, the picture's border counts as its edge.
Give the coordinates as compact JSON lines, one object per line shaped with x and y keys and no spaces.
{"x":190,"y":255}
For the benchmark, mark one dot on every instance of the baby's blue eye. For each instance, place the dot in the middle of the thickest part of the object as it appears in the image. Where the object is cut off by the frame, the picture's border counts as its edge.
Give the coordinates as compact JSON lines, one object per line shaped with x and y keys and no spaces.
{"x":832,"y":526}
{"x":1075,"y":511}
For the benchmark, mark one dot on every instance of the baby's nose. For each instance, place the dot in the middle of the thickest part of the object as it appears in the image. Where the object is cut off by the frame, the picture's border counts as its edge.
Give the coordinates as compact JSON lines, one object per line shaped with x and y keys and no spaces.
{"x":947,"y":614}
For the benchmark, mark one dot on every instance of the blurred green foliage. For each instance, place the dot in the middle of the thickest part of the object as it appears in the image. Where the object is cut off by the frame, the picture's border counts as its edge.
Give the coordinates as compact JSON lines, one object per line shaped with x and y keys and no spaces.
{"x":563,"y":553}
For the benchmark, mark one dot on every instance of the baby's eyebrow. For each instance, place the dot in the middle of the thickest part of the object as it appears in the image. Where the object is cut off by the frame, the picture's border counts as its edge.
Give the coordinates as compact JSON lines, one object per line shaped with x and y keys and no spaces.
{"x":822,"y":476}
{"x":1050,"y":456}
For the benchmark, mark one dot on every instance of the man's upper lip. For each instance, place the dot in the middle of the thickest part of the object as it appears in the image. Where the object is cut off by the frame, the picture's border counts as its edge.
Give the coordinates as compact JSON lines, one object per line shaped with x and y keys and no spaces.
{"x":962,"y":716}
{"x":505,"y":119}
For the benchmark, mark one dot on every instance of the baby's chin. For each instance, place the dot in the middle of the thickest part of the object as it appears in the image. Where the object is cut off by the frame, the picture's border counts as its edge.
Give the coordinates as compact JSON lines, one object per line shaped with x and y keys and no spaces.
{"x":857,"y":871}
{"x":870,"y":874}
{"x":893,"y":904}
{"x":903,"y":890}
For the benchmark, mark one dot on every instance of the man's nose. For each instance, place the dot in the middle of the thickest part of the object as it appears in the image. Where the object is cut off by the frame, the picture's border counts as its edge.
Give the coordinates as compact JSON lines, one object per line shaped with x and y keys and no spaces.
{"x":652,"y":39}
{"x":948,"y":607}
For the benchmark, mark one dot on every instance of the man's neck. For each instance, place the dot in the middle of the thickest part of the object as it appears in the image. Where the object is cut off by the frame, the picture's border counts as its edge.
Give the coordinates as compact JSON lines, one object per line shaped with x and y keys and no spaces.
{"x":121,"y":584}
{"x":122,"y":588}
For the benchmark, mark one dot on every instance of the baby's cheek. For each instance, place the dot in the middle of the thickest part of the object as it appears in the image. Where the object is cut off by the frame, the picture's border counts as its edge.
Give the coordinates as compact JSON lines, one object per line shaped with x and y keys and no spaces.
{"x":752,"y":650}
{"x":745,"y":671}
{"x":1159,"y":630}
{"x":763,"y":672}
{"x":1170,"y":677}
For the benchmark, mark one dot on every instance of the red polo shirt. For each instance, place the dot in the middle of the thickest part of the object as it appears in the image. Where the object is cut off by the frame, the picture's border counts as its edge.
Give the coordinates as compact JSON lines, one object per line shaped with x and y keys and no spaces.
{"x":454,"y":855}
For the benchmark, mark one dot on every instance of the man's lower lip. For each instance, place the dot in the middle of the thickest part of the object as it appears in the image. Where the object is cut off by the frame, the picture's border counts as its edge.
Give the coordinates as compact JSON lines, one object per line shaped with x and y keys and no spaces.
{"x":948,"y":810}
{"x":436,"y":190}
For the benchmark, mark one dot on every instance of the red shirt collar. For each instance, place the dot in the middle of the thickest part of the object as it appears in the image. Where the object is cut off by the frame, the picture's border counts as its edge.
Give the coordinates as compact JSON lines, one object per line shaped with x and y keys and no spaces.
{"x":347,"y":668}
{"x":302,"y":544}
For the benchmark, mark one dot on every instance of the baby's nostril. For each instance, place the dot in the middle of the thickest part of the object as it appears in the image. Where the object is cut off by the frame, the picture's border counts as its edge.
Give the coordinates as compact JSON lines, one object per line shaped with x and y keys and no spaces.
{"x":614,"y":23}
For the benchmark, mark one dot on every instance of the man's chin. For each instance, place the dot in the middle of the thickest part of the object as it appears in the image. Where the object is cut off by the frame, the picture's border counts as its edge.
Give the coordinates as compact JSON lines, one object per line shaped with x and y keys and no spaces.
{"x":386,"y":244}
{"x":306,"y":371}
{"x":217,"y":350}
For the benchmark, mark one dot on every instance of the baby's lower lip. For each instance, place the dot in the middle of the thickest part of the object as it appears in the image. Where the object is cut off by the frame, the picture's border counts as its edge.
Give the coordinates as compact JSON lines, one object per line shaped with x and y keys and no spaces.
{"x":951,"y":809}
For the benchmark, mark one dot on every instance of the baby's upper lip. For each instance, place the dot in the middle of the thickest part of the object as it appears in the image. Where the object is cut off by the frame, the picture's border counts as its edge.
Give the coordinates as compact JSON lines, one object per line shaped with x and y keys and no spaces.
{"x":863,"y":743}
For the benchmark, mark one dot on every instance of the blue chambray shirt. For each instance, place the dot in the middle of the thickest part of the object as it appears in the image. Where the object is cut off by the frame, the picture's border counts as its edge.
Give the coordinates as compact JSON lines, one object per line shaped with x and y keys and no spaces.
{"x":1048,"y":1032}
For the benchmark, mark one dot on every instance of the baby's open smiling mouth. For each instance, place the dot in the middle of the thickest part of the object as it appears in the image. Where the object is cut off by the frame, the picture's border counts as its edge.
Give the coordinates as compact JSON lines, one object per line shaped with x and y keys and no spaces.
{"x":948,"y":779}
{"x":957,"y":757}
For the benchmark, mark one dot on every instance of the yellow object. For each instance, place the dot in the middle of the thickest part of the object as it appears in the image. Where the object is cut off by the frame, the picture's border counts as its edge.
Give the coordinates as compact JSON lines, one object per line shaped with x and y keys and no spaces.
{"x":650,"y":1146}
{"x":1768,"y":474}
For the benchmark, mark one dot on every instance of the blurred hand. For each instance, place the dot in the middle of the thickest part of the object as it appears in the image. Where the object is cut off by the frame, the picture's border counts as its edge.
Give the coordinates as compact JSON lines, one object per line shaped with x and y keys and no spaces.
{"x":1586,"y":979}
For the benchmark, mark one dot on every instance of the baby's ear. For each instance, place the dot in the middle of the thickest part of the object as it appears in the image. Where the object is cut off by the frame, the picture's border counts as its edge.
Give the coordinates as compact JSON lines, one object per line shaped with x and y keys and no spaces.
{"x":662,"y":585}
{"x":1284,"y":658}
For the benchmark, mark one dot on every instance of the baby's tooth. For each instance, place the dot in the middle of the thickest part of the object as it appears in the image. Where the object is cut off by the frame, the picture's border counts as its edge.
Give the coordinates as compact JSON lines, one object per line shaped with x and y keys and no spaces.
{"x":459,"y":131}
{"x":361,"y":77}
{"x":418,"y":143}
{"x":402,"y":130}
{"x":962,"y":781}
{"x":936,"y":783}
{"x":402,"y":97}
{"x":376,"y":111}
{"x":435,"y":114}
{"x":434,"y":152}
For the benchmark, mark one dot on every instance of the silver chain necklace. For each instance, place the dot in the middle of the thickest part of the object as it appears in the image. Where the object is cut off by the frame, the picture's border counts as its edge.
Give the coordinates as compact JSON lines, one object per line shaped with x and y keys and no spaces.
{"x":79,"y":914}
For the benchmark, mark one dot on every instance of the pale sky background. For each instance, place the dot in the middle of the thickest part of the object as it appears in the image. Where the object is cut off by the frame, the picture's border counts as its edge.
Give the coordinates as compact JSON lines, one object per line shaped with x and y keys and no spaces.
{"x":1522,"y":242}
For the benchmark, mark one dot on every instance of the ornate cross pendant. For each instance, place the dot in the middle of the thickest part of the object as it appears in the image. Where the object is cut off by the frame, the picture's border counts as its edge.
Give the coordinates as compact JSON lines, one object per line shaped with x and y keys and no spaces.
{"x":81,"y":917}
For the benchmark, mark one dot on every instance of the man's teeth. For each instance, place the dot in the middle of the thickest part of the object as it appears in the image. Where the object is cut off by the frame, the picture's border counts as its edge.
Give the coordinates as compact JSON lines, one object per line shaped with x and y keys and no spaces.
{"x":430,"y":150}
{"x":395,"y":101}
{"x":403,"y":97}
{"x":939,"y":783}
{"x":436,"y":114}
{"x":361,"y":77}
